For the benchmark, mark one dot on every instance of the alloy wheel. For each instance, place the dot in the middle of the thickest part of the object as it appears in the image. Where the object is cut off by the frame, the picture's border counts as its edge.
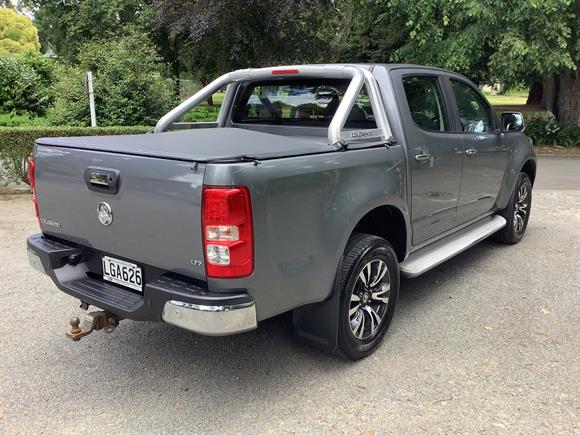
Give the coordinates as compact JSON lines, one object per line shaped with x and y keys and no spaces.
{"x":521,"y":208}
{"x":369,"y":299}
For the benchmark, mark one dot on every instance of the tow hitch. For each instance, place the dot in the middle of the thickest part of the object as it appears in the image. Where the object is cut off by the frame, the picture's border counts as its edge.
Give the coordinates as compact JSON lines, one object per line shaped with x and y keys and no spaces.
{"x":92,"y":322}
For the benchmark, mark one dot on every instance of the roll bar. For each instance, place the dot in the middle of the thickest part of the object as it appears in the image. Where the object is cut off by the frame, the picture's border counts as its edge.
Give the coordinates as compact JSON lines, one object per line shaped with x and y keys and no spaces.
{"x":336,"y":136}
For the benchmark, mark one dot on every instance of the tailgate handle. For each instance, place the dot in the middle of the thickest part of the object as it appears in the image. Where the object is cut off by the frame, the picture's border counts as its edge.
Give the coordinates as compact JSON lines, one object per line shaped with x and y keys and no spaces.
{"x":102,"y":180}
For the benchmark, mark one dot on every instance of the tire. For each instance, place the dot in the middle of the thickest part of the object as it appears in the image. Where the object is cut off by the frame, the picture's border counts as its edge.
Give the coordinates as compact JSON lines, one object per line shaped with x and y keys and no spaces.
{"x":517,"y":213}
{"x":360,"y":331}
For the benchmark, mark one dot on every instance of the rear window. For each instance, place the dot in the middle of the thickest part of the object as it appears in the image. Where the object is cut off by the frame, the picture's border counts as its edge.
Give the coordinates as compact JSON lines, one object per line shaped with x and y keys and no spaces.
{"x":304,"y":102}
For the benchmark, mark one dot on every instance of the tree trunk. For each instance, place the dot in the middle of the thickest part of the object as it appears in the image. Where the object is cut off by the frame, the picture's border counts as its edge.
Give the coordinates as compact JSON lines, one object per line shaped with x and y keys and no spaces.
{"x":568,"y":100}
{"x":536,"y":93}
{"x":561,"y":95}
{"x":204,"y":82}
{"x":549,"y":93}
{"x":175,"y":66}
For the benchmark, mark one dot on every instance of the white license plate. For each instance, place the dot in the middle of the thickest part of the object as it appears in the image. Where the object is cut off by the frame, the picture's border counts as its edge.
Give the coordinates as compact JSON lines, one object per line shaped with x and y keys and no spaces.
{"x":122,"y":272}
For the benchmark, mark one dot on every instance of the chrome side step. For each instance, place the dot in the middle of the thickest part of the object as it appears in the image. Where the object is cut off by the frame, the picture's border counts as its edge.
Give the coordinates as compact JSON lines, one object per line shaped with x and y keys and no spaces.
{"x":433,"y":255}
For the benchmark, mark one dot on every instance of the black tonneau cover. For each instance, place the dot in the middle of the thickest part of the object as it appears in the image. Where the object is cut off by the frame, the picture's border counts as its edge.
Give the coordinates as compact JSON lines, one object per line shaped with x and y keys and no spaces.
{"x":200,"y":145}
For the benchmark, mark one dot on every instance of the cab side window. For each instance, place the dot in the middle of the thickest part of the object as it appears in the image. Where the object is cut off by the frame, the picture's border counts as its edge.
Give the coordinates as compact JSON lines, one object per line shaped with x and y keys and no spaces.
{"x":426,"y":102}
{"x":474,"y":113}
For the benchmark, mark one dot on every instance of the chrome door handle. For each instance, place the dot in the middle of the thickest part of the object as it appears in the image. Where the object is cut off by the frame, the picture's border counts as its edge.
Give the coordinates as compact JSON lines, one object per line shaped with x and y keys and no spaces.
{"x":423,"y":157}
{"x":471,"y":152}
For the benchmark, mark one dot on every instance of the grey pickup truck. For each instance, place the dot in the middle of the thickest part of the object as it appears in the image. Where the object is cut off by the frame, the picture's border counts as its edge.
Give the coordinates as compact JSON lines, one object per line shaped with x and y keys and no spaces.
{"x":315,"y":190}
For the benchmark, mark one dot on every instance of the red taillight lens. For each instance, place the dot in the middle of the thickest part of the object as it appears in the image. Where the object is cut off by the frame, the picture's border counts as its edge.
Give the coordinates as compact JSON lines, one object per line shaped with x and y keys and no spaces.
{"x":32,"y":181}
{"x":228,"y":242}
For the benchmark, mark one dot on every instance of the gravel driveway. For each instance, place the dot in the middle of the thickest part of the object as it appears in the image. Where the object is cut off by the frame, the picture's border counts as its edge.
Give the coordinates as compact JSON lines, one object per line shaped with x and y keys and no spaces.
{"x":487,"y":342}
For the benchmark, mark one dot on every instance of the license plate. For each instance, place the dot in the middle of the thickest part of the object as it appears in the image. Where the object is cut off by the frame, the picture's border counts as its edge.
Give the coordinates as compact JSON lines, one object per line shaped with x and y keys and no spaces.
{"x":123,"y":273}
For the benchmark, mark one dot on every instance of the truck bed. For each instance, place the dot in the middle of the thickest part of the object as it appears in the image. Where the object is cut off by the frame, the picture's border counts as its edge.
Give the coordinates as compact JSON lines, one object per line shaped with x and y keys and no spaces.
{"x":203,"y":145}
{"x":158,"y":203}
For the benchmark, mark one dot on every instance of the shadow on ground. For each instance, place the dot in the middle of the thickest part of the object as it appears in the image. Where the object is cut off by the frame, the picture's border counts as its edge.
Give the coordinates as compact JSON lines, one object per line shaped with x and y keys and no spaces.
{"x":262,"y":359}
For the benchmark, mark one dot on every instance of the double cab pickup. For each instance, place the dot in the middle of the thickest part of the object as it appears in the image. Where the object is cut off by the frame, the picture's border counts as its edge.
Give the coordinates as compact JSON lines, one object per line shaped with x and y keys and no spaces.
{"x":317,"y":187}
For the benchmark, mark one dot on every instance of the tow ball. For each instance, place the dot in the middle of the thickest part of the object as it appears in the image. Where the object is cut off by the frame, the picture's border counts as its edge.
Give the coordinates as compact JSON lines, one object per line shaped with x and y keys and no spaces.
{"x":94,"y":321}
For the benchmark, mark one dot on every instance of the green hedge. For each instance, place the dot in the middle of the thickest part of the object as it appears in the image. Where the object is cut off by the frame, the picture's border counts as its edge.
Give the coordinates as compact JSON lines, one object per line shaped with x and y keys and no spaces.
{"x":16,"y":145}
{"x":549,"y":132}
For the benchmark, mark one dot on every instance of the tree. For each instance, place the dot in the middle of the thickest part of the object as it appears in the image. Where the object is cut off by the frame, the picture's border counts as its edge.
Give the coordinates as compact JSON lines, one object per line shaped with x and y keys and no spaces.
{"x":68,"y":25}
{"x":25,"y":84}
{"x":539,"y":41}
{"x":222,"y":35}
{"x":65,"y":26}
{"x":129,"y":84}
{"x":362,"y":31}
{"x":494,"y":40}
{"x":17,"y":33}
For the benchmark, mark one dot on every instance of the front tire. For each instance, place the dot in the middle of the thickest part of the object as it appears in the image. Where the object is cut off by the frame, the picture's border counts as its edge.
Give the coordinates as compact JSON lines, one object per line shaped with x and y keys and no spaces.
{"x":369,"y":289}
{"x":517,"y":213}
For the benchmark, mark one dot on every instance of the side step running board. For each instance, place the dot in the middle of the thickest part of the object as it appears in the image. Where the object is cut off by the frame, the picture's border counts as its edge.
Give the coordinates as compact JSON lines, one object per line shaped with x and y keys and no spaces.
{"x":433,"y":255}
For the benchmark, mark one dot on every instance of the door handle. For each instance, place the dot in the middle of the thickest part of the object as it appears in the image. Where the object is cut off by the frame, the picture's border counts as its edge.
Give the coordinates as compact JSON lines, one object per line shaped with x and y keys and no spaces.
{"x":423,"y":157}
{"x":102,"y":180}
{"x":471,"y":152}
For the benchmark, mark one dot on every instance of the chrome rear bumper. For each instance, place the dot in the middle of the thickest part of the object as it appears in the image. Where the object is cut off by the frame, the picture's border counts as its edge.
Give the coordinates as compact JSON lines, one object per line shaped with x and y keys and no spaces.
{"x":211,"y":319}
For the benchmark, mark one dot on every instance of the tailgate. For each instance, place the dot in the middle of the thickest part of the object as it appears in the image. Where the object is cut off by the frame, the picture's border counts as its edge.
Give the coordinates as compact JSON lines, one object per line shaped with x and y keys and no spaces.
{"x":156,"y":210}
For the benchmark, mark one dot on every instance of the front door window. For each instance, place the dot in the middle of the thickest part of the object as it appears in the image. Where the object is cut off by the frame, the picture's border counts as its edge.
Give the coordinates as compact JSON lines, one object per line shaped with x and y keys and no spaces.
{"x":474,"y":113}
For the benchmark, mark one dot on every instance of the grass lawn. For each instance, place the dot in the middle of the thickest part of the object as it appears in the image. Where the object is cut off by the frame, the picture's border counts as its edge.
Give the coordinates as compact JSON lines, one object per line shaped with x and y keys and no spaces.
{"x":203,"y":112}
{"x":7,"y":120}
{"x":510,"y":98}
{"x":218,"y":99}
{"x":507,"y":100}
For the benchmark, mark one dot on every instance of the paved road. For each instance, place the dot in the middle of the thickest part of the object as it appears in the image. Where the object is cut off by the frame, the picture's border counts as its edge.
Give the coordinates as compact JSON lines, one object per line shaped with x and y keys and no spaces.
{"x":488,"y":342}
{"x":558,"y":173}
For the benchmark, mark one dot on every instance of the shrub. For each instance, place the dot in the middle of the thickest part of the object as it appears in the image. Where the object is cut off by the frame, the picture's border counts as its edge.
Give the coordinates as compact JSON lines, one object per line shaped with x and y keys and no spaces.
{"x":42,"y":66}
{"x":16,"y":145}
{"x":128,"y":84}
{"x":71,"y":106}
{"x":543,"y":129}
{"x":25,"y":84}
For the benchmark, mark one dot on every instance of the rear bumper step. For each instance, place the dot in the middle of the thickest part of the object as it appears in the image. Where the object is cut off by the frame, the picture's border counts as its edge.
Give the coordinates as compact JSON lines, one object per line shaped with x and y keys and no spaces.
{"x":168,"y":298}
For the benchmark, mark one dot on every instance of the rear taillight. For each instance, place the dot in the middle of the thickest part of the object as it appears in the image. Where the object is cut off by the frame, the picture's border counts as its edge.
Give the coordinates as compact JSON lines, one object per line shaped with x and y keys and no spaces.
{"x":227,"y":232}
{"x":32,"y":181}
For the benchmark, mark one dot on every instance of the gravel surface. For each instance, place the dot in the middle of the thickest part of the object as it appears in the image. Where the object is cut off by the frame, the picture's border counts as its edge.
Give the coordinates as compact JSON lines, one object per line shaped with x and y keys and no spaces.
{"x":487,"y":342}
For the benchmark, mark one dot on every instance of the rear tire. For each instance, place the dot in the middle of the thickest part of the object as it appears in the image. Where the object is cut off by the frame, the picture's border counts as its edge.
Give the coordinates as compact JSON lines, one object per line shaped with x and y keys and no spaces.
{"x":517,"y":213}
{"x":369,"y":289}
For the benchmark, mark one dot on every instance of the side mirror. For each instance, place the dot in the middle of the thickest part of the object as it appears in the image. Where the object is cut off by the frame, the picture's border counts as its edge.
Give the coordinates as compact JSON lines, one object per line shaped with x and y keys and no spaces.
{"x":512,"y":122}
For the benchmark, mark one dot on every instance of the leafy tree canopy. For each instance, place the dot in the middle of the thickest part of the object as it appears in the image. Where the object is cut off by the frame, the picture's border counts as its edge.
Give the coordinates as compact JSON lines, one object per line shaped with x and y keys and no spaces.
{"x":66,"y":25}
{"x":129,"y":84}
{"x":17,"y":33}
{"x":489,"y":41}
{"x":222,"y":35}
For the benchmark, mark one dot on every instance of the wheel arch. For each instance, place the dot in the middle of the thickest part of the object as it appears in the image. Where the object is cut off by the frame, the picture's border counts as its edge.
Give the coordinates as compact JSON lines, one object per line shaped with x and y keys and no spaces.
{"x":529,"y":168}
{"x":522,"y":160}
{"x":386,"y":221}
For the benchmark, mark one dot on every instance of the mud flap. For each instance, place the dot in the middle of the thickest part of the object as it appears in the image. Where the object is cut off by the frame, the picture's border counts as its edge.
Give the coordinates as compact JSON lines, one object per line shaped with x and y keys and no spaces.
{"x":317,"y":324}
